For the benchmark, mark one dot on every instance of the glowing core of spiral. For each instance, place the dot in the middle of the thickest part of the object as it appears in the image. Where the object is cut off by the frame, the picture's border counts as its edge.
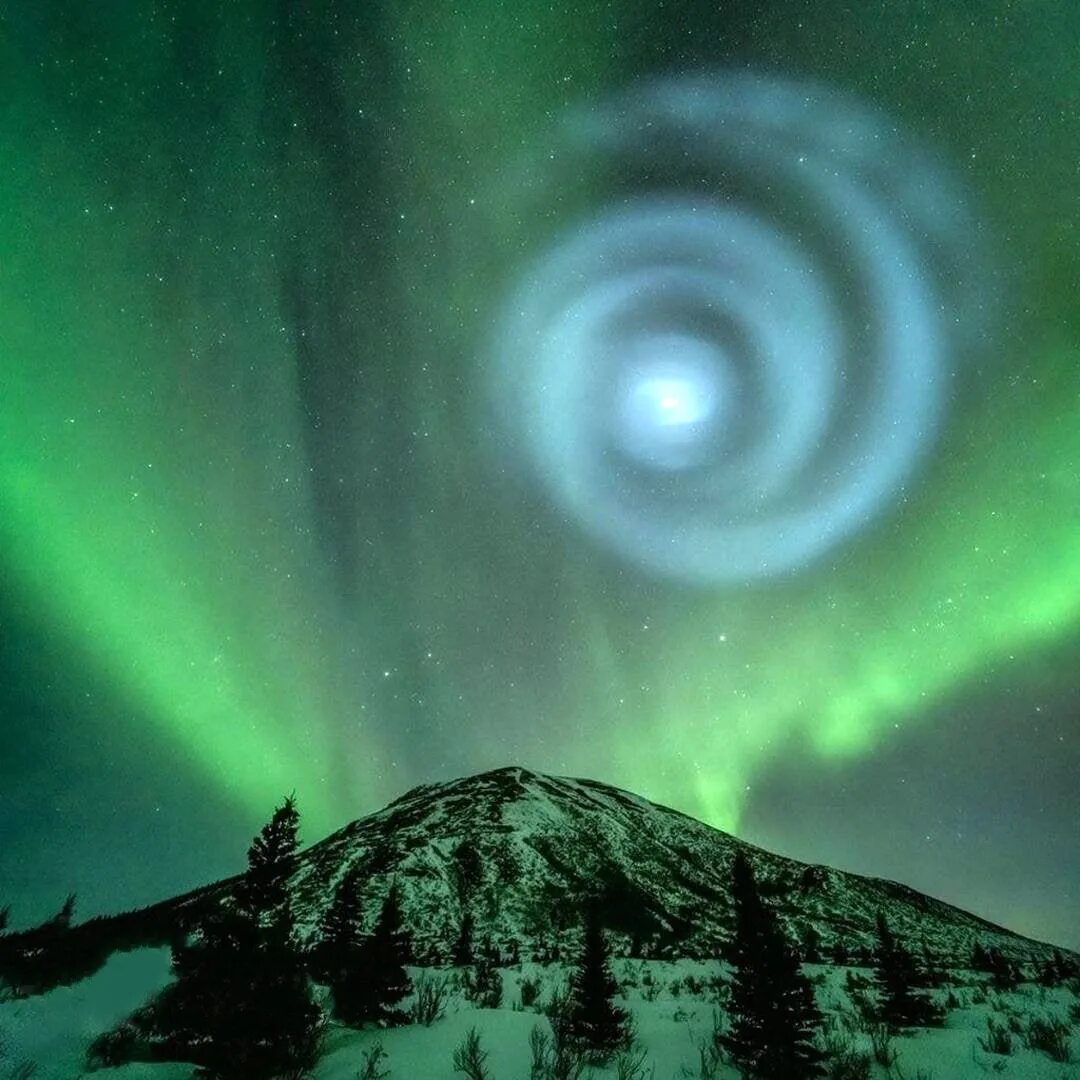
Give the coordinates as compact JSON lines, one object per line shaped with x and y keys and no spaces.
{"x":671,"y":401}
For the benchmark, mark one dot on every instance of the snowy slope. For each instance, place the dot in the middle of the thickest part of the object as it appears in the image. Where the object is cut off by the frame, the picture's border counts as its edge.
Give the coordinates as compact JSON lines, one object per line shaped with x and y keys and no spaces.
{"x":519,"y":851}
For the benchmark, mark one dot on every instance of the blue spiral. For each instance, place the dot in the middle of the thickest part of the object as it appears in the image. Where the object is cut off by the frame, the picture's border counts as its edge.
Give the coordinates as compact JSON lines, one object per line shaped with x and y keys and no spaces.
{"x":739,"y":360}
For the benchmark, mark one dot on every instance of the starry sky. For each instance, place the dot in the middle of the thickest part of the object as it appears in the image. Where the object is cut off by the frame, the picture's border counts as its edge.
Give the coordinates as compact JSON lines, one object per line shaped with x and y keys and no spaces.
{"x":685,"y":396}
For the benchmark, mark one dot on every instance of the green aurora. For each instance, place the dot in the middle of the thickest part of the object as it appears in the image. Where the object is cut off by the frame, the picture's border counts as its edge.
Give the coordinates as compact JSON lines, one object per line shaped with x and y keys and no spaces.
{"x":164,"y":505}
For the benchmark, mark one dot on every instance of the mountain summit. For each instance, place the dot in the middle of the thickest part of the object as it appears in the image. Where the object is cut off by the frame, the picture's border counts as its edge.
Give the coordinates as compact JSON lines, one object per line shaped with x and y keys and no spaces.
{"x":517,"y":853}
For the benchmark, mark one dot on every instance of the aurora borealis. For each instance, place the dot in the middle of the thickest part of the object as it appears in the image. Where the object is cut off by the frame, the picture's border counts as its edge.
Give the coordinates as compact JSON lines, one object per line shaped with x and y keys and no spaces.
{"x":262,"y":512}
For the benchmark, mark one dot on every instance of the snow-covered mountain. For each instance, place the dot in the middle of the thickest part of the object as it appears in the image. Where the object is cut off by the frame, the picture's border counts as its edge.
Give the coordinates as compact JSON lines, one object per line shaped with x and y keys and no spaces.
{"x":519,"y":852}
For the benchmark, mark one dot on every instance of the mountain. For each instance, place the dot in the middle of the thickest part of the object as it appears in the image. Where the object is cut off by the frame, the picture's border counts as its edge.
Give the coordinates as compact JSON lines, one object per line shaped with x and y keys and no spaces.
{"x":520,"y":851}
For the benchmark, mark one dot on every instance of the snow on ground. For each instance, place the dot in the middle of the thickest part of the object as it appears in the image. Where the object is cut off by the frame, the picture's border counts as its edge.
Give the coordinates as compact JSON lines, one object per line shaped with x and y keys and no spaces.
{"x":53,"y":1031}
{"x":671,"y":1002}
{"x":670,"y":1026}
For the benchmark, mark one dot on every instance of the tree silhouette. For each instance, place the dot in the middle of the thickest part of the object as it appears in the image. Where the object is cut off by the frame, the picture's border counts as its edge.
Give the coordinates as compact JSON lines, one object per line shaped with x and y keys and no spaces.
{"x":463,"y":946}
{"x":592,"y":1018}
{"x":241,"y":1006}
{"x":483,"y":982}
{"x":338,"y":959}
{"x":897,"y":973}
{"x":383,"y":958}
{"x":980,"y":958}
{"x":44,"y":956}
{"x":263,"y":890}
{"x":773,"y":1013}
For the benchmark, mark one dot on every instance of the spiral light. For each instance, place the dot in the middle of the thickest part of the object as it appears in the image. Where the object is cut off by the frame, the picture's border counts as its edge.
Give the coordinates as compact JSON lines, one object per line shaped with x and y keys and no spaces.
{"x":737,"y":362}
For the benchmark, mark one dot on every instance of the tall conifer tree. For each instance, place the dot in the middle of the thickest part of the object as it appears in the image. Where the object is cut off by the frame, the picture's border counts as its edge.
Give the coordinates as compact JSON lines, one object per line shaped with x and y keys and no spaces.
{"x":897,"y":973}
{"x":773,"y":1013}
{"x":383,"y":957}
{"x":241,"y":1006}
{"x":263,"y":891}
{"x":593,"y":1020}
{"x":463,"y":947}
{"x":340,"y":955}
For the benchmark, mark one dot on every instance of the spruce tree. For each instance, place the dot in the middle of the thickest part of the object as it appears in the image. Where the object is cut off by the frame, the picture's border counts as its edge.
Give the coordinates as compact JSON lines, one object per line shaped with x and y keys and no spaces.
{"x":463,"y":947}
{"x":773,"y":1012}
{"x":839,"y":953}
{"x":338,"y":959}
{"x":593,"y":1020}
{"x":483,"y":982}
{"x":343,"y":921}
{"x":241,"y":1006}
{"x":1056,"y":970}
{"x":383,"y":958}
{"x":41,"y":957}
{"x":263,"y":890}
{"x":897,"y":973}
{"x":63,"y":919}
{"x":811,"y":944}
{"x":1004,"y":974}
{"x":980,"y":958}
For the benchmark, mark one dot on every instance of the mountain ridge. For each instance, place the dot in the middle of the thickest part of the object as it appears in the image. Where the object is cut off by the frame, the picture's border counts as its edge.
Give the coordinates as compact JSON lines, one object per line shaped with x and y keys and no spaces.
{"x":519,"y":853}
{"x":415,"y":838}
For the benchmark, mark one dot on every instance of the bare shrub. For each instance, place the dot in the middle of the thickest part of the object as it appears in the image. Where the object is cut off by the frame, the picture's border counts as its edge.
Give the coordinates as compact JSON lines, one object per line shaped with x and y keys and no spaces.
{"x":710,"y":1053}
{"x":998,"y":1038}
{"x":553,"y":1056}
{"x":842,"y":1060}
{"x":631,"y":1064}
{"x":1049,"y":1035}
{"x":429,"y":1004}
{"x":881,"y":1044}
{"x":530,"y":992}
{"x":470,"y":1057}
{"x":482,"y":985}
{"x":372,"y":1062}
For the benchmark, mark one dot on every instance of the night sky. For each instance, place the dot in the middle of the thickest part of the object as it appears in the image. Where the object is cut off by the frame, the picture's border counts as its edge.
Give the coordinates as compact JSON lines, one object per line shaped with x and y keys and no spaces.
{"x":685,"y":396}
